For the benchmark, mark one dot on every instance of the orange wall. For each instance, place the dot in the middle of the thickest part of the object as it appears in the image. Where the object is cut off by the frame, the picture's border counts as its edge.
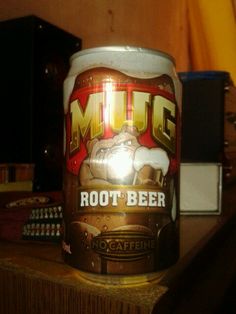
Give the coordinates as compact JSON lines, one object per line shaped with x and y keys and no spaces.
{"x":158,"y":24}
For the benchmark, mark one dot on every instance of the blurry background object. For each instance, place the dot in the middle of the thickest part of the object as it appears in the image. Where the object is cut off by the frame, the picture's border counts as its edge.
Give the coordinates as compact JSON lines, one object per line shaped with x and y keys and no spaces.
{"x":16,"y":177}
{"x":34,"y":60}
{"x":201,"y":188}
{"x":31,"y":216}
{"x":202,"y":144}
{"x":203,"y":115}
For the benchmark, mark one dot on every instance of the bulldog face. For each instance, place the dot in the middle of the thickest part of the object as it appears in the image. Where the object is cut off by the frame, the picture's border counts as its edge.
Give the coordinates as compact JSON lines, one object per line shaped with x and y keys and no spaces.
{"x":113,"y":159}
{"x":122,"y":160}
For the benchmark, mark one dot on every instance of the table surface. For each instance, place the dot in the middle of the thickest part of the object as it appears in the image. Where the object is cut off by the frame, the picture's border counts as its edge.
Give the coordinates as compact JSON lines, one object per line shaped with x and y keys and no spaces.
{"x":199,"y":242}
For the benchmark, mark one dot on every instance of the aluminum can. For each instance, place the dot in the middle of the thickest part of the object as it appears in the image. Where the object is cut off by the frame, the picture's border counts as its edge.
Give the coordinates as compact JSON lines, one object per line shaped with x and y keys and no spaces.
{"x":122,"y":155}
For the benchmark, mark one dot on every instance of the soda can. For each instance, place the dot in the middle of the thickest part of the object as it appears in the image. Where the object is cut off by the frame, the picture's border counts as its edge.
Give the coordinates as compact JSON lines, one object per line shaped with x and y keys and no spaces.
{"x":122,"y":157}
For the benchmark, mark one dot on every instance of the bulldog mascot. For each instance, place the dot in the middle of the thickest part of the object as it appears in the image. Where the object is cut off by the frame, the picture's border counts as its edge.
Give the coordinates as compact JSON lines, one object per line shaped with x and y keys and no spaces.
{"x":122,"y":160}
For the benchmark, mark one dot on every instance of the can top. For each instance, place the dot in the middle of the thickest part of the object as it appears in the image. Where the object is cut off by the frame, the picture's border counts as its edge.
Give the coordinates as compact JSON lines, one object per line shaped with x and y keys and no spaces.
{"x":134,"y":61}
{"x":122,"y":49}
{"x":142,"y":63}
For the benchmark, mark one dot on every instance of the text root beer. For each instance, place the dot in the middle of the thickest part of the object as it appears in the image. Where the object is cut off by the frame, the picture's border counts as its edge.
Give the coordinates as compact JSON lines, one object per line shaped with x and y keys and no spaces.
{"x":121,"y":161}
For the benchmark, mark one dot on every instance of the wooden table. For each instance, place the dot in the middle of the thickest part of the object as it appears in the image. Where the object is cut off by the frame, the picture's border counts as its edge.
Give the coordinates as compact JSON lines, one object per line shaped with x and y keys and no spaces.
{"x":34,"y":278}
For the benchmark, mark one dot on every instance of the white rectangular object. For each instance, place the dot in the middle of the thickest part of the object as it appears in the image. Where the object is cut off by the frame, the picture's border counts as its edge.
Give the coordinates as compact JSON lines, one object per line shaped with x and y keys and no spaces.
{"x":200,"y":188}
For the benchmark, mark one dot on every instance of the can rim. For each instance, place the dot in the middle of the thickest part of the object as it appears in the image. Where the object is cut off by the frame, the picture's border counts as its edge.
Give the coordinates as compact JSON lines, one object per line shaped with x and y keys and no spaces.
{"x":122,"y":49}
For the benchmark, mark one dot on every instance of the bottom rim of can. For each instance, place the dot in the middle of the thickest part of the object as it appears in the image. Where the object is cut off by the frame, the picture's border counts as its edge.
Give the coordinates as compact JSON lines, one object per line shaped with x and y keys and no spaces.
{"x":122,"y":280}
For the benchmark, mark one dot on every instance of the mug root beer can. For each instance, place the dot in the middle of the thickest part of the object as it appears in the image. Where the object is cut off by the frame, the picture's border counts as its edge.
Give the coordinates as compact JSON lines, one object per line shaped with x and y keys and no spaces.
{"x":121,"y":176}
